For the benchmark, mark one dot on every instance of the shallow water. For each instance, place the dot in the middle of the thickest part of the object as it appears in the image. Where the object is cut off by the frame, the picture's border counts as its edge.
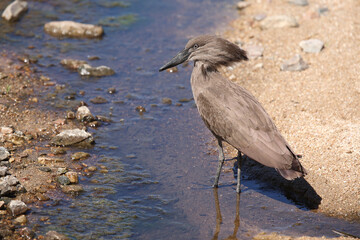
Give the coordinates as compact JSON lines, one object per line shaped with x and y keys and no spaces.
{"x":159,"y":167}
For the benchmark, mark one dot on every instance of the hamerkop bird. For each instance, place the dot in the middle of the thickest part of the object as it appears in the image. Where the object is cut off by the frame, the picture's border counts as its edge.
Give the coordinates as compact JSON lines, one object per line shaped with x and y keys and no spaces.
{"x":232,"y":113}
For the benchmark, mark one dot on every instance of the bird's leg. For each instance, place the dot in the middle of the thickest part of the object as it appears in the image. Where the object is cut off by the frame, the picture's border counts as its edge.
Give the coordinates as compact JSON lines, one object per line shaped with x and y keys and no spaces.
{"x":239,"y":163}
{"x":221,"y":162}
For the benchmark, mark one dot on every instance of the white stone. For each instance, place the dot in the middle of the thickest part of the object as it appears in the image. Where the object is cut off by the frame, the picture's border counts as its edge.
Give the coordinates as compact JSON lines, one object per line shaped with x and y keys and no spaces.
{"x":279,"y":21}
{"x":17,"y":207}
{"x":14,"y":11}
{"x":73,"y":29}
{"x":296,"y":63}
{"x":312,"y":45}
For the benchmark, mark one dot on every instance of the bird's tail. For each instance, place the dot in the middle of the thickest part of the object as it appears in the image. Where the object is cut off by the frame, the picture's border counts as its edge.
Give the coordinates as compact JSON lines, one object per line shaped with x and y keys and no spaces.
{"x":297,"y":170}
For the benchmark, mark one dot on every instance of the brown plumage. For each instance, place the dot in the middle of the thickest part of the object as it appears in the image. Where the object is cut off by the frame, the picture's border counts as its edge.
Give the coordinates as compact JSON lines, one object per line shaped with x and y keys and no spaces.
{"x":231,"y":112}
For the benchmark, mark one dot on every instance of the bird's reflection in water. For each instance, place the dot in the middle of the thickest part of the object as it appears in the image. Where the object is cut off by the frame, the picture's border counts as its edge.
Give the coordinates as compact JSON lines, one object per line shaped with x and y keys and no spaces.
{"x":219,"y":217}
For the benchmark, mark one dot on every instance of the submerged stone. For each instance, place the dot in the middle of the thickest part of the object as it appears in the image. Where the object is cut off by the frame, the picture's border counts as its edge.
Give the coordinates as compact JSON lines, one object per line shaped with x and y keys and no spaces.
{"x":72,"y":63}
{"x":71,"y":189}
{"x":80,"y":156}
{"x":118,"y":21}
{"x":53,"y":235}
{"x":73,"y":29}
{"x":98,"y":100}
{"x":63,"y":180}
{"x":88,"y":70}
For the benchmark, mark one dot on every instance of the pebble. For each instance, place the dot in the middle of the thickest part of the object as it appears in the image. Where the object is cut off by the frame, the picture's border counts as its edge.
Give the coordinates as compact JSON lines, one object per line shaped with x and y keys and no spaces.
{"x":312,"y":45}
{"x":20,"y":219}
{"x":299,"y":2}
{"x":58,"y":150}
{"x":131,"y":155}
{"x":10,"y":180}
{"x":278,"y":21}
{"x":83,"y":114}
{"x":6,"y":130}
{"x":72,"y":176}
{"x":72,"y":63}
{"x":3,"y":171}
{"x":42,"y":197}
{"x":258,"y":66}
{"x":92,"y":58}
{"x":72,"y":188}
{"x":166,"y":101}
{"x":63,"y":180}
{"x":88,"y":70}
{"x":140,"y":109}
{"x":80,"y":156}
{"x":260,"y":16}
{"x":17,"y":207}
{"x":4,"y":154}
{"x":73,"y":136}
{"x":49,"y":160}
{"x":2,"y":204}
{"x":184,"y":100}
{"x":98,"y":100}
{"x":70,"y":115}
{"x":45,"y":169}
{"x":254,"y":51}
{"x":73,"y":29}
{"x":111,"y":90}
{"x":172,"y":70}
{"x":296,"y":63}
{"x":103,"y":118}
{"x":53,"y":235}
{"x":242,"y":4}
{"x":61,"y":170}
{"x":26,"y":233}
{"x":92,"y":169}
{"x":15,"y":10}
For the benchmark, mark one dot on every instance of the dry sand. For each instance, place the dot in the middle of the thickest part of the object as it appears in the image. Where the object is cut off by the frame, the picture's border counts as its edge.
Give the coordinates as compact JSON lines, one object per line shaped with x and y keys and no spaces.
{"x":316,"y":110}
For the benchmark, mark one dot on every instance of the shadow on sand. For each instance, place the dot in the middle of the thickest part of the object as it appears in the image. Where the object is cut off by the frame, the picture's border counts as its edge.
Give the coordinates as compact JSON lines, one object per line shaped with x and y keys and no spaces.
{"x":298,"y":190}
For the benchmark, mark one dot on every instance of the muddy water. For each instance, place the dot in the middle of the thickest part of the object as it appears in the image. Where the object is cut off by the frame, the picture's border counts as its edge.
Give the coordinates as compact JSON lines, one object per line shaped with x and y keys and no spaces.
{"x":159,"y":170}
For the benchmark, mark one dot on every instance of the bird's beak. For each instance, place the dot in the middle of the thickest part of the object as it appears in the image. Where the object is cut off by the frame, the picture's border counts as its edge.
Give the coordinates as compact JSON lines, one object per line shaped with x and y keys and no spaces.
{"x":178,"y":59}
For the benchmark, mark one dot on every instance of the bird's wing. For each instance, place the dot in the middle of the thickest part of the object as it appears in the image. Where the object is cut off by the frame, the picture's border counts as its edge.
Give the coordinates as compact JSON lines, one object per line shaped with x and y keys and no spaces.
{"x":235,"y":116}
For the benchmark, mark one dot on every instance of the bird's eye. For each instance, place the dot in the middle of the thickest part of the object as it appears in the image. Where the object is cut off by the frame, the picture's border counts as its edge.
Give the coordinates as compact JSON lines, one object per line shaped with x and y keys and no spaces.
{"x":195,"y":46}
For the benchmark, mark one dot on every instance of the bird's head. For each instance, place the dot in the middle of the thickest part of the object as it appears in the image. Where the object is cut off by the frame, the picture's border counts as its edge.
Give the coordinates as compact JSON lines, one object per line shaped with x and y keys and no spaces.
{"x":211,"y":50}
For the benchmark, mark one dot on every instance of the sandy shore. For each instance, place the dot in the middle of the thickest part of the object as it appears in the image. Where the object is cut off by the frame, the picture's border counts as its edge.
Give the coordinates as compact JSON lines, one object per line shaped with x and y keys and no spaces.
{"x":317,"y":110}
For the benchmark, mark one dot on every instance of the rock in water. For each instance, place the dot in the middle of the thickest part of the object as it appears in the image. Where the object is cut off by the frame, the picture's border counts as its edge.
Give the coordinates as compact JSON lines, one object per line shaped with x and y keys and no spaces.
{"x":17,"y":207}
{"x":294,"y":64}
{"x":72,"y":63}
{"x":87,"y":70}
{"x":70,"y":137}
{"x":73,"y":29}
{"x":53,"y":235}
{"x":4,"y":154}
{"x":279,"y":21}
{"x":14,"y":11}
{"x":83,"y":114}
{"x":312,"y":45}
